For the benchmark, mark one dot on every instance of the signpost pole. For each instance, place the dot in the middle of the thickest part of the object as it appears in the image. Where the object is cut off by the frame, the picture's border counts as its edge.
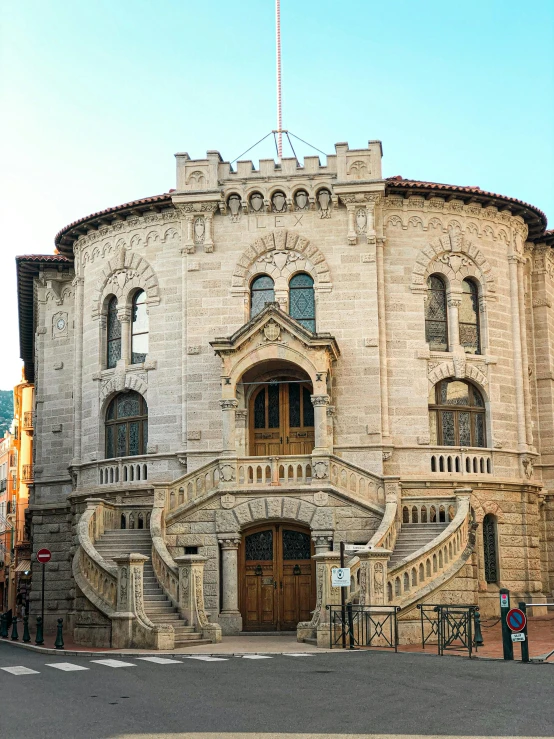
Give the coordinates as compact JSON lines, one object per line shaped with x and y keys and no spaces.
{"x":507,"y":644}
{"x":42,"y":592}
{"x":524,"y":644}
{"x":343,"y":599}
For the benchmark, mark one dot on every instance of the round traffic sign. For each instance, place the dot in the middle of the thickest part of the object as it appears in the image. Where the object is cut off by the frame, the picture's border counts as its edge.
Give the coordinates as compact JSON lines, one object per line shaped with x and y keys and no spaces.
{"x":516,"y":619}
{"x":44,"y":555}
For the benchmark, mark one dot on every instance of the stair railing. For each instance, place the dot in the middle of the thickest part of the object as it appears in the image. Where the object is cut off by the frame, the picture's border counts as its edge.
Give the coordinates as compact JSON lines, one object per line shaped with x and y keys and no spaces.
{"x":165,"y":567}
{"x":426,"y":569}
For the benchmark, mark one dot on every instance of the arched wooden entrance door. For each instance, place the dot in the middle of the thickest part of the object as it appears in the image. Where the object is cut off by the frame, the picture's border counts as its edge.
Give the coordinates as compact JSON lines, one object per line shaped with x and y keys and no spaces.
{"x":277,"y":577}
{"x":281,"y":419}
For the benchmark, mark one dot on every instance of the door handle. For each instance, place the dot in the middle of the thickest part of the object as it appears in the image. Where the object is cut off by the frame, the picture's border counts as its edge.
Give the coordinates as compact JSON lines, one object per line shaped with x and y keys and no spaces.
{"x":280,"y":440}
{"x":275,"y":584}
{"x":281,"y":584}
{"x":287,"y":439}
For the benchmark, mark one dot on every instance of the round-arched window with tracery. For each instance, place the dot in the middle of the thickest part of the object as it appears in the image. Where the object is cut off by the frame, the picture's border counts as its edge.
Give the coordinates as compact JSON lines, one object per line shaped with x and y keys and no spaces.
{"x":126,"y":425}
{"x":456,"y":414}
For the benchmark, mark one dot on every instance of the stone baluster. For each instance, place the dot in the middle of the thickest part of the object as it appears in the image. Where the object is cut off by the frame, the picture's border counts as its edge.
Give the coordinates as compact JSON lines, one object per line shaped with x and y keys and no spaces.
{"x":230,"y":618}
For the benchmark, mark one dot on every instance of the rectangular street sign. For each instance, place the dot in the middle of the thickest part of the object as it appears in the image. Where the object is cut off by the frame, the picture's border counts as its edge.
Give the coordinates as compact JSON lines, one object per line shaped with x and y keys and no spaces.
{"x":340,"y":577}
{"x":518,"y":637}
{"x":504,"y":600}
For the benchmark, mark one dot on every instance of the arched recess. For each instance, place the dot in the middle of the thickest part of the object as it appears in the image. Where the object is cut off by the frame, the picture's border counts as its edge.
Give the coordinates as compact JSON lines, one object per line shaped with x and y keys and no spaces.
{"x":121,"y":276}
{"x":117,"y":384}
{"x":456,"y":258}
{"x":280,"y":254}
{"x":459,"y":368}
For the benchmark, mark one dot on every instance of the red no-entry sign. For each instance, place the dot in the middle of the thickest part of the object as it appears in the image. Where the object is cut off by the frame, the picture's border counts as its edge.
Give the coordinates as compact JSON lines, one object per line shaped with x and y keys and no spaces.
{"x":516,"y":619}
{"x":44,"y":555}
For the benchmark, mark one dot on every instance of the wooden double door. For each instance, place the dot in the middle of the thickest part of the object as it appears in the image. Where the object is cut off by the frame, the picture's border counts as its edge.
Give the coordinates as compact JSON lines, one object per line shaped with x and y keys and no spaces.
{"x":277,"y":576}
{"x":282,"y":420}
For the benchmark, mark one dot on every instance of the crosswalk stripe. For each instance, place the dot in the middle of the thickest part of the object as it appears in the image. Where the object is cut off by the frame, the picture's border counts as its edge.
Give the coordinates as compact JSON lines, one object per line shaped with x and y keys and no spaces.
{"x":20,"y":670}
{"x":298,"y":654}
{"x":161,"y":660}
{"x":66,"y":666}
{"x":256,"y":656}
{"x":113,"y":663}
{"x":205,"y":658}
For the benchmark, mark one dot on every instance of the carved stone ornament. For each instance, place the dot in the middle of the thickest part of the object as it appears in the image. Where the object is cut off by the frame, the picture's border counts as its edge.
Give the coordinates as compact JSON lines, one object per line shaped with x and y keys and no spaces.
{"x":228,"y":501}
{"x":361,"y":220}
{"x":272,"y":331}
{"x":279,"y":202}
{"x":301,"y":200}
{"x":256,"y":202}
{"x":527,"y":463}
{"x":279,"y":258}
{"x":227,"y":472}
{"x":321,"y":470}
{"x":321,"y":498}
{"x":378,"y":578}
{"x":234,"y":207}
{"x":199,"y":230}
{"x":386,"y":456}
{"x":324,"y":202}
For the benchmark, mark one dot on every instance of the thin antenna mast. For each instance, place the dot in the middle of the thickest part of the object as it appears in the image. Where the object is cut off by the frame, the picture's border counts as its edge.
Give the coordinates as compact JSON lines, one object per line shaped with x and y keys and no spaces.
{"x":279,"y":112}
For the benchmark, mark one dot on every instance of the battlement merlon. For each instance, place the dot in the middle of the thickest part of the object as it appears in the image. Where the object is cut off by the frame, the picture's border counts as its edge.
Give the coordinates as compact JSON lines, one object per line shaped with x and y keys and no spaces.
{"x":344,"y":167}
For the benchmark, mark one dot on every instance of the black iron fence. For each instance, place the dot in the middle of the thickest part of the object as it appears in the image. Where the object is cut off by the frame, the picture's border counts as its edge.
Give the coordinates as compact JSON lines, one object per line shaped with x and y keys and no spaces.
{"x":450,"y":627}
{"x":354,"y":626}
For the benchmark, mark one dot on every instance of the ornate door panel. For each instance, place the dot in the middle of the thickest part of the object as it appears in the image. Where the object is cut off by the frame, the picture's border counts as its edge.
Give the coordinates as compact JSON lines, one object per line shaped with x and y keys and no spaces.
{"x":278,"y":578}
{"x":281,"y":420}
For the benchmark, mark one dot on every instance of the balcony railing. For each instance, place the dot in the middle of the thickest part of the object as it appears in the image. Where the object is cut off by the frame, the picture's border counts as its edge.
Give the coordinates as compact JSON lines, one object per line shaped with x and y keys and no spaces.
{"x":456,"y":461}
{"x":3,"y":485}
{"x":27,"y":473}
{"x":28,"y":420}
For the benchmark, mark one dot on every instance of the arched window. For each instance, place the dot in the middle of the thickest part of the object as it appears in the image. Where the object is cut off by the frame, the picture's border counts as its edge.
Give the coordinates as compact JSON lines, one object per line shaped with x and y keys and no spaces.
{"x":301,"y":300}
{"x":113,"y":353}
{"x":139,"y":328}
{"x":470,"y":337}
{"x":262,"y":291}
{"x":436,"y":315}
{"x":126,"y":426}
{"x":490,"y":553}
{"x":456,"y":414}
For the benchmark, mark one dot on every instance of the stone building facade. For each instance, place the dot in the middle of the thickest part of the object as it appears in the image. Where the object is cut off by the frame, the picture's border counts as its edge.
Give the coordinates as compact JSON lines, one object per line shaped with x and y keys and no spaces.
{"x":239,"y":374}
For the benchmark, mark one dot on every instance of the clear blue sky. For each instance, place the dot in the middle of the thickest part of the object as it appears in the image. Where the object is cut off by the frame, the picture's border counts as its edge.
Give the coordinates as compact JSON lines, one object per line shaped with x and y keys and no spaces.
{"x":96,"y":97}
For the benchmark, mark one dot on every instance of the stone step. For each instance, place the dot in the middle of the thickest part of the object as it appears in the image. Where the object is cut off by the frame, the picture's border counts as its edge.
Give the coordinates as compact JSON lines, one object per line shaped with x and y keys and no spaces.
{"x":155,"y":597}
{"x":193,"y":641}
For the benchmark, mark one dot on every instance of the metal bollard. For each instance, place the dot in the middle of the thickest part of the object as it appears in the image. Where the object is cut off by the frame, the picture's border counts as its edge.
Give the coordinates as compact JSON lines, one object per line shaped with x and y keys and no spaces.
{"x":15,"y":635}
{"x":478,"y":639}
{"x":4,"y":626}
{"x":59,"y":635}
{"x":26,"y":635}
{"x":40,"y":631}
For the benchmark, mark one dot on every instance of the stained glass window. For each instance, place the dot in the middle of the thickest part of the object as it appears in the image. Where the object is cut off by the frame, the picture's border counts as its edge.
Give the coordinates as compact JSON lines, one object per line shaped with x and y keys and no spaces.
{"x":469,"y":318}
{"x":259,"y":546}
{"x":262,"y":291}
{"x":296,"y":545}
{"x":456,"y":414}
{"x":126,"y":426}
{"x":259,"y":410}
{"x":273,"y":406}
{"x":490,"y":549}
{"x":302,"y":301}
{"x":113,"y":334}
{"x":139,"y":328}
{"x":294,"y":406}
{"x":436,"y":316}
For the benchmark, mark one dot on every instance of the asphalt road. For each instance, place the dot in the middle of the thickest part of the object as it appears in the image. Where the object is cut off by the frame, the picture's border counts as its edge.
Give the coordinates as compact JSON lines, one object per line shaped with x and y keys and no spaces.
{"x":341,"y":694}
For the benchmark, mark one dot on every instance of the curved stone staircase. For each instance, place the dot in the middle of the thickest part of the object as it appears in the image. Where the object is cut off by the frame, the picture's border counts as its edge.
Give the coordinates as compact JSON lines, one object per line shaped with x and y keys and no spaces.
{"x":412,"y":536}
{"x":158,"y":608}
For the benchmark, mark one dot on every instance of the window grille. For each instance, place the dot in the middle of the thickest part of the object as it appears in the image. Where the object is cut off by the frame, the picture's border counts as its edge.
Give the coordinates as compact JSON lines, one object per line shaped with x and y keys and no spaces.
{"x":302,"y":301}
{"x":490,"y":554}
{"x":139,"y":328}
{"x":456,"y":414}
{"x":470,"y":337}
{"x":114,"y":335}
{"x":436,"y":315}
{"x":126,"y":426}
{"x":262,"y":291}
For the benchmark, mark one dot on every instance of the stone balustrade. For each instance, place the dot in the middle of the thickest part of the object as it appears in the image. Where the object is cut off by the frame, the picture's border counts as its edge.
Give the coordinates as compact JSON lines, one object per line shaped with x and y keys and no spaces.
{"x":124,"y":471}
{"x":356,"y":482}
{"x":430,"y":566}
{"x":449,"y":461}
{"x":422,"y":509}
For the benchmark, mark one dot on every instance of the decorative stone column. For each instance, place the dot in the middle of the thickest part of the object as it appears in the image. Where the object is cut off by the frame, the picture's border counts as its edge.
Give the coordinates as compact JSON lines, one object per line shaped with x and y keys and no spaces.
{"x":326,"y":595}
{"x":320,"y":403}
{"x":241,"y":419}
{"x":322,"y":540}
{"x":230,"y":618}
{"x":124,"y":316}
{"x":229,"y":407}
{"x":191,"y":595}
{"x":373,"y":576}
{"x":454,"y":302}
{"x":513,"y":261}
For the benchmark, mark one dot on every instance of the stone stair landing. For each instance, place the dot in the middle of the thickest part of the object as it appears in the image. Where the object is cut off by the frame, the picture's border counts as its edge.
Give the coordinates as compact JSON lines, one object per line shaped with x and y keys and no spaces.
{"x":413,"y":536}
{"x":157,"y":605}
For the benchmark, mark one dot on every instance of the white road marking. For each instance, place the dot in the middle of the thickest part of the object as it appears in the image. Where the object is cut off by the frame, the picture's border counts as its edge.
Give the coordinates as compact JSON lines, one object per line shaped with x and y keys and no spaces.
{"x":113,"y":663}
{"x":299,"y":654}
{"x":161,"y":660}
{"x":256,"y":656}
{"x":67,"y":666}
{"x":205,"y":658}
{"x":19,"y":670}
